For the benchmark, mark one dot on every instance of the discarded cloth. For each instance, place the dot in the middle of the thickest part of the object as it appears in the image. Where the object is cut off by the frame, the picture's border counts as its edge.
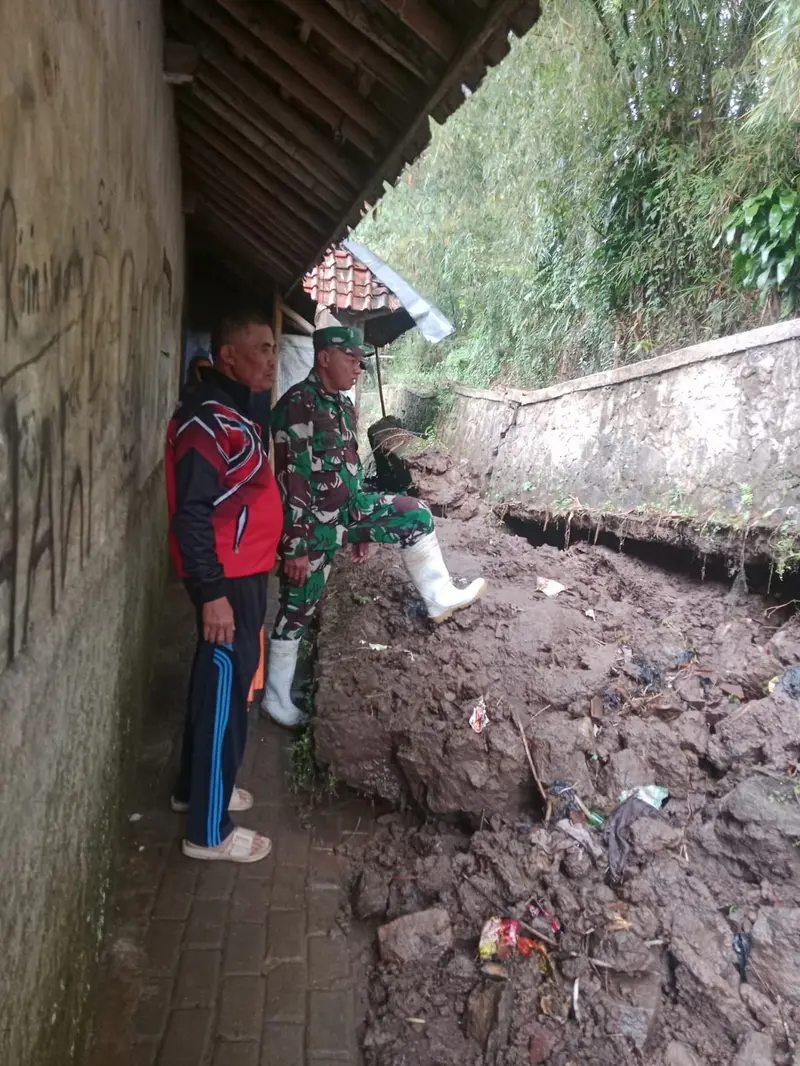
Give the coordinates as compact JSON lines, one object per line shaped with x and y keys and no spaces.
{"x":615,"y":836}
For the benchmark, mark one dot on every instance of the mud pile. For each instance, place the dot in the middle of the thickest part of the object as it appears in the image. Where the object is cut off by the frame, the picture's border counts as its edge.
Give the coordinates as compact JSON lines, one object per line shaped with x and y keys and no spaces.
{"x":673,"y":936}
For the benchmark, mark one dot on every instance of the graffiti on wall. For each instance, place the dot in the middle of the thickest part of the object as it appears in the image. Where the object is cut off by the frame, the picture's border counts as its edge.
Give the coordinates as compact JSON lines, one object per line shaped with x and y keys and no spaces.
{"x":87,"y":356}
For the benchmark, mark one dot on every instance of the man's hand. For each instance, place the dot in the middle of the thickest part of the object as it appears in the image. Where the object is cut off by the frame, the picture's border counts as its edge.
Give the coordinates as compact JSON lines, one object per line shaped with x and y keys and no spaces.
{"x":218,"y":627}
{"x":296,"y":570}
{"x":359,"y":553}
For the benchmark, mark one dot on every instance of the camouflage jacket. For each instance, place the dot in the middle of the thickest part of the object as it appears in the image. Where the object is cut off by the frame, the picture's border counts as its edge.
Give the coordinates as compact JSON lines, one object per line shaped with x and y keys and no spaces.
{"x":316,"y":464}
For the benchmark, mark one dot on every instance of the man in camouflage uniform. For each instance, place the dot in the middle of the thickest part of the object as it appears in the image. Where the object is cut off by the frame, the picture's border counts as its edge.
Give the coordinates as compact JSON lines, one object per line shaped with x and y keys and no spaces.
{"x":319,"y":474}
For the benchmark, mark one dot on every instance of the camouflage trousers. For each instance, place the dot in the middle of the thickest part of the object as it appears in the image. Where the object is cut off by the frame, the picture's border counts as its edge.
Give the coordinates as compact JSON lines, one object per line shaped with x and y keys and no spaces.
{"x":374,"y":520}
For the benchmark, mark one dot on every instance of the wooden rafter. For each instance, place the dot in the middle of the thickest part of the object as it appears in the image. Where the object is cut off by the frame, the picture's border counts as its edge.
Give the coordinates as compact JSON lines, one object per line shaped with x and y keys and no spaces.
{"x":427,"y":24}
{"x":252,"y":110}
{"x":254,"y":133}
{"x":212,"y":49}
{"x":240,"y":230}
{"x":239,"y":186}
{"x":250,"y":162}
{"x":299,"y":110}
{"x":402,"y":47}
{"x":235,"y":254}
{"x":256,"y":18}
{"x":355,"y":47}
{"x":243,"y":43}
{"x":286,"y":245}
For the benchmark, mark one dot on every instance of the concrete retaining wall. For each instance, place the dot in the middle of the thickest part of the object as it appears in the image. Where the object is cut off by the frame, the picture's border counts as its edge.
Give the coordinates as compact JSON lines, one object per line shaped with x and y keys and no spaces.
{"x":707,"y":427}
{"x":417,"y":409}
{"x":91,"y":290}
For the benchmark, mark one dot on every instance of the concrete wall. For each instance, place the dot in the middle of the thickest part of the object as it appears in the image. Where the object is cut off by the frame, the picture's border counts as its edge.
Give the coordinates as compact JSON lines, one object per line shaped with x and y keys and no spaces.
{"x":91,"y":278}
{"x":415,"y":407}
{"x":700,"y":428}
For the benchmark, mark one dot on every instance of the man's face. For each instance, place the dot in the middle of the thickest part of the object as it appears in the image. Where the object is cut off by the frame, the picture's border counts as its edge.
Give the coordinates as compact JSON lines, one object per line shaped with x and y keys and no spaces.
{"x":251,"y":357}
{"x":341,"y":370}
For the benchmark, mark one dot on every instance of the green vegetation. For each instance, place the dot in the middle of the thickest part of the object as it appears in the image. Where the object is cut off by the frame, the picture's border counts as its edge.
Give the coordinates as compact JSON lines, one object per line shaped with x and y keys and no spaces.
{"x":306,"y":777}
{"x":624,"y":183}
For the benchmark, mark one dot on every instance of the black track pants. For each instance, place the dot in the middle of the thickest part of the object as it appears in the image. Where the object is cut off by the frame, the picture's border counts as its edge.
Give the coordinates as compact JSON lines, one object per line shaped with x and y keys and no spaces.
{"x":216,"y":717}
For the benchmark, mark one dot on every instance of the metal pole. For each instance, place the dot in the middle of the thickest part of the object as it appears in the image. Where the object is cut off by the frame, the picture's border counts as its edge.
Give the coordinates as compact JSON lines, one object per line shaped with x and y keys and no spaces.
{"x":380,"y":382}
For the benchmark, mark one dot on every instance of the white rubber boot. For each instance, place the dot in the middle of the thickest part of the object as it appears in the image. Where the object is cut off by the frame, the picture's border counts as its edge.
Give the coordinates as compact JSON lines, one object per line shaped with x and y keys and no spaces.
{"x":277,"y":703}
{"x":426,"y":569}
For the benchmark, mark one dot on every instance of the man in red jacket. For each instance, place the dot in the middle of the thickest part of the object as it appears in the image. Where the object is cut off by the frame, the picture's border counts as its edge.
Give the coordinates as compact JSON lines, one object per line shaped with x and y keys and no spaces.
{"x":225,"y":523}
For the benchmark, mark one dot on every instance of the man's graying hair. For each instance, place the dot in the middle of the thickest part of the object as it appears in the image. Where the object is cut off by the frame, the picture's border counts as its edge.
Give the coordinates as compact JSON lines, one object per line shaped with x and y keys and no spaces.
{"x":232,"y":324}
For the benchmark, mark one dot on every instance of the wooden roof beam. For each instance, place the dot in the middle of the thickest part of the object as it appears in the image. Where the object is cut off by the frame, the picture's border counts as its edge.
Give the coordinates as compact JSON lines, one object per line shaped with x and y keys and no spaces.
{"x":247,"y":237}
{"x":427,"y":24}
{"x":251,"y":130}
{"x":244,"y":44}
{"x":257,"y":19}
{"x":314,"y":147}
{"x":355,"y":47}
{"x":273,"y":240}
{"x":206,"y":162}
{"x":274,"y":237}
{"x":249,"y":162}
{"x":377,"y":29}
{"x":257,"y":113}
{"x":297,"y":320}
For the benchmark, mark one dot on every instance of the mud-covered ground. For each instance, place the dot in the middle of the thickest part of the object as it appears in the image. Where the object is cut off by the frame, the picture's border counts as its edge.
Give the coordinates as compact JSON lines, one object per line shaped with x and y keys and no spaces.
{"x":673,"y":936}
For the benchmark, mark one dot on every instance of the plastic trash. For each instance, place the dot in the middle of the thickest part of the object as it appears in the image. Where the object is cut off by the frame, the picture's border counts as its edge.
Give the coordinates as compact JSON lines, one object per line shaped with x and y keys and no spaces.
{"x":615,"y":835}
{"x":479,"y":719}
{"x":581,"y":835}
{"x":789,"y":681}
{"x":650,"y":675}
{"x":537,"y":912}
{"x":655,"y":795}
{"x":742,"y":943}
{"x":498,"y":939}
{"x":548,"y":586}
{"x":590,"y":614}
{"x":527,"y":947}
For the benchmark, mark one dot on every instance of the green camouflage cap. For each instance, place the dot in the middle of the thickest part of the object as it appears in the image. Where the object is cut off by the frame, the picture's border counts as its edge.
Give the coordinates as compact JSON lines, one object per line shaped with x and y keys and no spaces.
{"x":347,"y":338}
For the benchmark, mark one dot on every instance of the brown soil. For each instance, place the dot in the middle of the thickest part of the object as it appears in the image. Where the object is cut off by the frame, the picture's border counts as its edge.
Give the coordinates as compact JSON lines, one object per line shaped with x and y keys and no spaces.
{"x":631,"y":676}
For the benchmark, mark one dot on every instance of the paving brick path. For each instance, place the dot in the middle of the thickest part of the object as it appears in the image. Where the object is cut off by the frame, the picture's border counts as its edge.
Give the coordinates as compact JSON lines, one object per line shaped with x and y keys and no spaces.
{"x":224,"y":965}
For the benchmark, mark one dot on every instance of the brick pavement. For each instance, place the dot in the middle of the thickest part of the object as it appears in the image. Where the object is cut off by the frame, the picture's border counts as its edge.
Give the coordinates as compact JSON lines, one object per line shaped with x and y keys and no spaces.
{"x":224,"y":965}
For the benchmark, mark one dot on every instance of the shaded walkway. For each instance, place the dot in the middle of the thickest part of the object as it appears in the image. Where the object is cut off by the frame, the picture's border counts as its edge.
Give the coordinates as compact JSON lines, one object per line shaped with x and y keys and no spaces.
{"x":221,"y":964}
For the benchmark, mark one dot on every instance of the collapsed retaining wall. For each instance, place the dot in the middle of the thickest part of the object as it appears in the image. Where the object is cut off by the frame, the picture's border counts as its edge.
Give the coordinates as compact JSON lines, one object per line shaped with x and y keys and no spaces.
{"x":91,"y":291}
{"x":714,"y":427}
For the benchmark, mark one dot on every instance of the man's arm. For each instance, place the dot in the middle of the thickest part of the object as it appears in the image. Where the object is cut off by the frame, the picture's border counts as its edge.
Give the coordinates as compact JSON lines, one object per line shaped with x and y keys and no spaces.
{"x":292,"y":432}
{"x":198,"y":482}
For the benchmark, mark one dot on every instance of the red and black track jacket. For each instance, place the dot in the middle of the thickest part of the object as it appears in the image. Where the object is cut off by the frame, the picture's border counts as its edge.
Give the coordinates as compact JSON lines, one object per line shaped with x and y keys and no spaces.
{"x":225,"y":511}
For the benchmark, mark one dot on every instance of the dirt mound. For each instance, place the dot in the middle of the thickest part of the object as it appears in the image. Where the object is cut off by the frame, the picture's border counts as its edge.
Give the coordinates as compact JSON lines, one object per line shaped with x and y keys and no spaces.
{"x":652,"y":958}
{"x":629,"y":676}
{"x":672,"y":935}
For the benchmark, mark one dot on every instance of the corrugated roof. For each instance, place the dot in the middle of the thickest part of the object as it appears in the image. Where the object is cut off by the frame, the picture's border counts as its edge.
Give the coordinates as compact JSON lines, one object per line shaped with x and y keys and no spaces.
{"x":340,"y":280}
{"x":299,"y":110}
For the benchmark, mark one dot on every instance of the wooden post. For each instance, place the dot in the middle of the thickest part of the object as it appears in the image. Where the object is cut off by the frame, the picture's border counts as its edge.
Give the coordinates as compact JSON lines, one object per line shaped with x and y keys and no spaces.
{"x":380,"y":382}
{"x":277,"y":329}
